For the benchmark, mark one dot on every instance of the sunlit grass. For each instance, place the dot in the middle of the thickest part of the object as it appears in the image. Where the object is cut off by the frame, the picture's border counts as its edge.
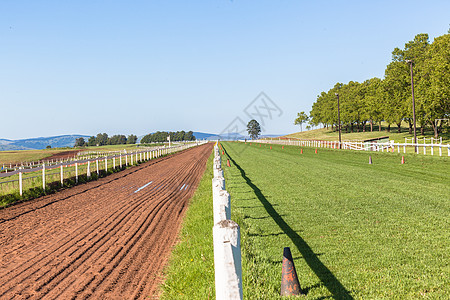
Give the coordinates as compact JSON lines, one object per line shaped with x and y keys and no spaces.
{"x":355,"y":230}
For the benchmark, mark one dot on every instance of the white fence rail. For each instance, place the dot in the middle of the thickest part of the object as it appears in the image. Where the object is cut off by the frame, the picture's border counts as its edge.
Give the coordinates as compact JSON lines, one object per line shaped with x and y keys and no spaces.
{"x":118,"y":160}
{"x":226,"y":239}
{"x":420,"y":148}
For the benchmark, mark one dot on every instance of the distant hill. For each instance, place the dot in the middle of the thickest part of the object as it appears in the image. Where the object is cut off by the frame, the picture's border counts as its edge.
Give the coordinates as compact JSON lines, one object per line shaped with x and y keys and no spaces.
{"x":40,"y":142}
{"x":62,"y":141}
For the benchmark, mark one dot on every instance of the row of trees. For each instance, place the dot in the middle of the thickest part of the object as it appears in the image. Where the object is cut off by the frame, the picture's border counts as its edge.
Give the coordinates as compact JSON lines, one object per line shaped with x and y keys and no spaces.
{"x":103,"y":139}
{"x":390,"y":99}
{"x":161,"y":136}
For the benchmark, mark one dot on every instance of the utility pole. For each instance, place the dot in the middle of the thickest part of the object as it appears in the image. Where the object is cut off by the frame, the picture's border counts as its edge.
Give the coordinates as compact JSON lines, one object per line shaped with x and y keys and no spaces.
{"x":339,"y":122}
{"x":413,"y":103}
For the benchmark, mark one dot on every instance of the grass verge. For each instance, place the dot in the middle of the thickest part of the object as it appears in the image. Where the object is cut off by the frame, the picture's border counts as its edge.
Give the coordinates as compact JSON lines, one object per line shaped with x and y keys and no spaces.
{"x":356,"y":231}
{"x":190,"y":273}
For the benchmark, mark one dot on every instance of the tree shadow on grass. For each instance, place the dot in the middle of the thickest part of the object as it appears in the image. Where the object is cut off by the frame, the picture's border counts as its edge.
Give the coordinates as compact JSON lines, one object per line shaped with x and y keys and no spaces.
{"x":325,"y":275}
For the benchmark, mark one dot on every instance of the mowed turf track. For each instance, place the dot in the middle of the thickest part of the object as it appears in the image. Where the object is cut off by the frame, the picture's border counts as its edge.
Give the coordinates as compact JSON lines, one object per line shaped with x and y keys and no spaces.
{"x":107,"y":239}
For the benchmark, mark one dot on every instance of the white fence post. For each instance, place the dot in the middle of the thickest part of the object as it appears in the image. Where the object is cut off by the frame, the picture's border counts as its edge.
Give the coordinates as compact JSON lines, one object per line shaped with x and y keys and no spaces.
{"x":62,"y":175}
{"x":227,"y":260}
{"x":424,"y":147}
{"x":96,"y":163}
{"x":20,"y":183}
{"x":88,"y":171}
{"x":218,"y":172}
{"x":76,"y":172}
{"x":43,"y":176}
{"x":221,"y":206}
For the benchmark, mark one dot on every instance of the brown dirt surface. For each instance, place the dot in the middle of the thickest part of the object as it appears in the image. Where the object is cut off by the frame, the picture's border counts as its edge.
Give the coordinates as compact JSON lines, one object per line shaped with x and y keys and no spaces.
{"x":107,"y":239}
{"x":63,"y":155}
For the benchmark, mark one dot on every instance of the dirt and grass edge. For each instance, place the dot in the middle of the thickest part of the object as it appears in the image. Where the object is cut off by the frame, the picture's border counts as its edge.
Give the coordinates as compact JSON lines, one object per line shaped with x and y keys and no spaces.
{"x":189,"y":273}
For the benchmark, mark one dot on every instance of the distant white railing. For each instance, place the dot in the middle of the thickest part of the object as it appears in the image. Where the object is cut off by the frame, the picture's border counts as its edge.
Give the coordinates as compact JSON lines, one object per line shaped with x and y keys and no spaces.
{"x":116,"y":160}
{"x":390,"y":146}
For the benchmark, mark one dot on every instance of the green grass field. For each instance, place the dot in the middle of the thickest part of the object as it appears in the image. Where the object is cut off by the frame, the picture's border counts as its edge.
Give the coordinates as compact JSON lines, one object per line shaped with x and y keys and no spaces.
{"x":355,"y":230}
{"x":12,"y":157}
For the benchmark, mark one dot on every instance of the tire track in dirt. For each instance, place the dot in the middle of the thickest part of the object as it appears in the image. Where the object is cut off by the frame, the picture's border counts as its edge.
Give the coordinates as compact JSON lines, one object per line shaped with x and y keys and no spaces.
{"x":105,"y":239}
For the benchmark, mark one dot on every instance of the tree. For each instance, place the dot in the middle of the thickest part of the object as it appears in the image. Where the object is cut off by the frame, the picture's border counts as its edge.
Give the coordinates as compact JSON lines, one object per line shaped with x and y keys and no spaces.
{"x":435,"y":84}
{"x":118,"y":139}
{"x":253,"y":129}
{"x":80,"y":142}
{"x":92,"y":141}
{"x":389,"y":99}
{"x":301,"y":118}
{"x":131,"y":139}
{"x":189,"y":136}
{"x":102,"y":139}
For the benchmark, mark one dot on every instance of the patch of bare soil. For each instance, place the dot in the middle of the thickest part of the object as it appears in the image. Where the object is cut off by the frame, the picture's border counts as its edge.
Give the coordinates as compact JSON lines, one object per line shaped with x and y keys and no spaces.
{"x":107,"y":239}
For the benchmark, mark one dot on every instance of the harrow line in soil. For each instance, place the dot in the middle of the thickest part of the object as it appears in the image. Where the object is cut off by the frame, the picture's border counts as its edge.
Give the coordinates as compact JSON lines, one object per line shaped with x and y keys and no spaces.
{"x":114,"y":247}
{"x":77,"y":258}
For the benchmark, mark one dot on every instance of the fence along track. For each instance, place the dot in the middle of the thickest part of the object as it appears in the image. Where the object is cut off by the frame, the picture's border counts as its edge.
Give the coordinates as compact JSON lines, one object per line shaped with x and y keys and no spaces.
{"x":368,"y":146}
{"x":76,"y":166}
{"x":104,"y":254}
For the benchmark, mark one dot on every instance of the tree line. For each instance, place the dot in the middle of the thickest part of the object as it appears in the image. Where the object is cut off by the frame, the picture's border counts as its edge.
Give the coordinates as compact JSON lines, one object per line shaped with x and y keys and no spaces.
{"x":390,"y":99}
{"x":161,"y":136}
{"x":103,"y":139}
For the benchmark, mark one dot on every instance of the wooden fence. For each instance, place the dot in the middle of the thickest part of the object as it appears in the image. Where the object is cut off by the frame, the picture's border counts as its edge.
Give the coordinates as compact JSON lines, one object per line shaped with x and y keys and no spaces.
{"x":433,"y":148}
{"x":47,"y":172}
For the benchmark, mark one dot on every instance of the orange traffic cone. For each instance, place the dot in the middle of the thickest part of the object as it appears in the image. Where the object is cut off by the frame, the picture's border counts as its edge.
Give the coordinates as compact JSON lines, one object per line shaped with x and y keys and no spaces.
{"x":289,"y":281}
{"x":228,"y":163}
{"x":282,"y":147}
{"x":223,"y":152}
{"x":270,"y":147}
{"x":403,"y":160}
{"x":301,"y":151}
{"x":316,"y":150}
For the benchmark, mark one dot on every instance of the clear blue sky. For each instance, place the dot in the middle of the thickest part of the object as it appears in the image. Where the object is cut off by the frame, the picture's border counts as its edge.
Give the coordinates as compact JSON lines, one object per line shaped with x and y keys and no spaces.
{"x":84,"y":67}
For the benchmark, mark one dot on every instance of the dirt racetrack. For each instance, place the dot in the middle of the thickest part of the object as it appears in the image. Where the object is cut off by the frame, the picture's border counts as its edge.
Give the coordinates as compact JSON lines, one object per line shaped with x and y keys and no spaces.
{"x":107,"y":239}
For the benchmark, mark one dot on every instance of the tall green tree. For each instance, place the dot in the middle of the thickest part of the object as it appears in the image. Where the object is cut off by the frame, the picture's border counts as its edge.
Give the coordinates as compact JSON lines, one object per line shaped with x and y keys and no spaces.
{"x":131,"y":139}
{"x":434,"y":86}
{"x":80,"y":142}
{"x":253,"y":129}
{"x":302,"y":117}
{"x":102,"y":139}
